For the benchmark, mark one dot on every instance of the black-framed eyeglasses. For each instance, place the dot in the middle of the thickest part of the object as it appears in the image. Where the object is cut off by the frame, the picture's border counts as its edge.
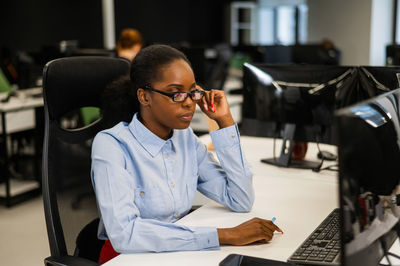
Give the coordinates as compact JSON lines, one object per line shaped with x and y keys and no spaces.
{"x":178,"y":97}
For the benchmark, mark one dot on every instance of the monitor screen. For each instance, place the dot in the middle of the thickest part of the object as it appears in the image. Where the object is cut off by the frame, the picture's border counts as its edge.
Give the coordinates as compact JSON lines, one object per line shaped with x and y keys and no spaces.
{"x":292,"y":102}
{"x":297,"y":102}
{"x":316,"y":54}
{"x":306,"y":96}
{"x":249,"y":53}
{"x":369,"y":172}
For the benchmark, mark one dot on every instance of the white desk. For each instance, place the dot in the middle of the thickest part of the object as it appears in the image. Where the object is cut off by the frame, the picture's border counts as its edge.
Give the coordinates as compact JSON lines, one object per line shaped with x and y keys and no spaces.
{"x":17,"y":114}
{"x":22,"y":100}
{"x":299,"y":199}
{"x":18,"y":111}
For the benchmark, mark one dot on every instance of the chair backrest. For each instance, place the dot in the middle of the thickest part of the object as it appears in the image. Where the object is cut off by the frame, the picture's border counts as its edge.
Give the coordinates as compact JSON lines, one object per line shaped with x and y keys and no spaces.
{"x":69,"y":202}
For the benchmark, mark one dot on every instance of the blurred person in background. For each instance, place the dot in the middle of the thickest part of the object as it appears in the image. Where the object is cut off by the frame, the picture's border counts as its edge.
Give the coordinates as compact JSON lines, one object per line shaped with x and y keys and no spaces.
{"x":129,"y":43}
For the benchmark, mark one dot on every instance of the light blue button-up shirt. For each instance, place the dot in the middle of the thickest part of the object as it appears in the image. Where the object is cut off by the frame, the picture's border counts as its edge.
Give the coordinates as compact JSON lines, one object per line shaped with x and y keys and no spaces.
{"x":143,"y":184}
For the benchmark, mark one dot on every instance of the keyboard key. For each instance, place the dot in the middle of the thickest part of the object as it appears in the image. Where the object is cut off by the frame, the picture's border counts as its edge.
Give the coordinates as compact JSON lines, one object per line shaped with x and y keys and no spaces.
{"x":322,"y":244}
{"x":329,"y":258}
{"x":337,"y":236}
{"x":333,"y":252}
{"x":298,"y":258}
{"x":304,"y":256}
{"x":315,"y":258}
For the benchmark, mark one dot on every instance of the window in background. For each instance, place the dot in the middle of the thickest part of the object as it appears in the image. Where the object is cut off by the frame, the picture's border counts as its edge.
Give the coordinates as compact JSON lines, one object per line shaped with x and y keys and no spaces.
{"x":303,"y":22}
{"x":282,"y":22}
{"x":396,"y":36}
{"x":266,"y":29}
{"x":286,"y":25}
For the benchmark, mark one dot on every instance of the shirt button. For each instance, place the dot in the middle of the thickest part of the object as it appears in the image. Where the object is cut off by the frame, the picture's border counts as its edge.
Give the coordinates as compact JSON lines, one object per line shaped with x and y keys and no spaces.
{"x":172,"y":185}
{"x":141,"y":193}
{"x":166,"y":156}
{"x":233,"y":135}
{"x":176,"y":215}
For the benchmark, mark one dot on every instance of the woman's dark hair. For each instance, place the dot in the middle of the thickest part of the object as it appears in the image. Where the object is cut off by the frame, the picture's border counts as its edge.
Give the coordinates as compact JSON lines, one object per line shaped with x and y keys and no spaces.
{"x":145,"y":67}
{"x":118,"y":102}
{"x":119,"y":99}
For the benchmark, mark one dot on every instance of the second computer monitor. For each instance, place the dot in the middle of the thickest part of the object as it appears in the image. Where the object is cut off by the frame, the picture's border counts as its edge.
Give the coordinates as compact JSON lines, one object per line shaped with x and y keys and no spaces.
{"x":292,"y":102}
{"x":297,"y":102}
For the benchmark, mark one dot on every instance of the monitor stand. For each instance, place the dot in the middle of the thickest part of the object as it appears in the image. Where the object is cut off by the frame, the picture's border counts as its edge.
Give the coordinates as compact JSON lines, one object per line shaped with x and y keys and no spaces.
{"x":284,"y":159}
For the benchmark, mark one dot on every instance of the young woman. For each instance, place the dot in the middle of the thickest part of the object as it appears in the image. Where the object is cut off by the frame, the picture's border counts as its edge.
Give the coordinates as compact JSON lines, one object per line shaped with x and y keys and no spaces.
{"x":145,"y":173}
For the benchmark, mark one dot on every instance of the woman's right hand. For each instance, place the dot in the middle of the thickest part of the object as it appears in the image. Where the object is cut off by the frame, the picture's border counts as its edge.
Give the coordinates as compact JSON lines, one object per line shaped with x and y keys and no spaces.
{"x":254,"y":230}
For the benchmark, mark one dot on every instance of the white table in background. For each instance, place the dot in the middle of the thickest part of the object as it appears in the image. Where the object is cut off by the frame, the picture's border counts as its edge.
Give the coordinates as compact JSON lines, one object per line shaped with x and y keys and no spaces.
{"x":17,"y":114}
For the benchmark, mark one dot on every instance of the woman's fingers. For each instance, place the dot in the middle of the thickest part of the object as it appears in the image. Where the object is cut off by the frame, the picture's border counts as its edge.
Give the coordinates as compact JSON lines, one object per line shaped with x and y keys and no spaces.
{"x":204,"y":105}
{"x":269,"y":224}
{"x":266,"y":227}
{"x":204,"y":101}
{"x":208,"y":101}
{"x":272,"y":226}
{"x":215,"y":106}
{"x":212,"y":93}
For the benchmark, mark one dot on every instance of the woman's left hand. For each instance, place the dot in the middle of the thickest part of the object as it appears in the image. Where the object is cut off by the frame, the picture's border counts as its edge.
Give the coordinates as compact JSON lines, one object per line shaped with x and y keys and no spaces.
{"x":215,"y":106}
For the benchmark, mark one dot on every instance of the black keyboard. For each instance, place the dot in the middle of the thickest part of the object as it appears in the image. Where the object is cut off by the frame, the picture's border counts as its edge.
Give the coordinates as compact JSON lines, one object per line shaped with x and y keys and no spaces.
{"x":322,"y":247}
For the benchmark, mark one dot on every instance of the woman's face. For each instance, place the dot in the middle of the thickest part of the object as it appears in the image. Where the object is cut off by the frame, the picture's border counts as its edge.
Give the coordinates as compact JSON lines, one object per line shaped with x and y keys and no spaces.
{"x":163,"y":113}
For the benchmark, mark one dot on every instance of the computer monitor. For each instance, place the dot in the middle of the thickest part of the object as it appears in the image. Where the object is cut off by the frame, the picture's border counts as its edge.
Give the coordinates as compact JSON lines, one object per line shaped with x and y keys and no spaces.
{"x":249,"y":53}
{"x":383,"y":78}
{"x":278,"y":54}
{"x":271,"y":54}
{"x":316,"y":54}
{"x":292,"y":102}
{"x":393,"y":54}
{"x":368,"y":135}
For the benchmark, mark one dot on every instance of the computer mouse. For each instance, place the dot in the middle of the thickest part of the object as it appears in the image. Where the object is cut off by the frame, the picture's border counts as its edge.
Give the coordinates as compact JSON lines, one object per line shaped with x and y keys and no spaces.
{"x":326,"y":155}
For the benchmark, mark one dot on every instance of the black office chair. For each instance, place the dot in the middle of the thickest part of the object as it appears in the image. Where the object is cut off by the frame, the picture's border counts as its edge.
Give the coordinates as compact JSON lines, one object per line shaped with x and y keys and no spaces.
{"x":69,"y":84}
{"x":217,"y":78}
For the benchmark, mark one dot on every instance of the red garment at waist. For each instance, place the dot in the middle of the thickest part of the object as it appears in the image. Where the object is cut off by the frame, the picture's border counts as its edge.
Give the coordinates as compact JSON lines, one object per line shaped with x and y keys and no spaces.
{"x":107,"y":252}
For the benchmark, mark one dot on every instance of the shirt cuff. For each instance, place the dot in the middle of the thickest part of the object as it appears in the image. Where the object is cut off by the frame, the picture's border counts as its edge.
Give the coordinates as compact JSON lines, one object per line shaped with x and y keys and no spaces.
{"x":206,"y":238}
{"x":225,"y":137}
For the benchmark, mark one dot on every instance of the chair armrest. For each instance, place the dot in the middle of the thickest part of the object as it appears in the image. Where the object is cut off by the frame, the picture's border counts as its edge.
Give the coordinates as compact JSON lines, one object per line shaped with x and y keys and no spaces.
{"x":68,"y":260}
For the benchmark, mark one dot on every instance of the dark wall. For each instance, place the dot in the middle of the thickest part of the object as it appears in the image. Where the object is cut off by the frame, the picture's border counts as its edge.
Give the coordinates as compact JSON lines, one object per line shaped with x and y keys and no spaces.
{"x":173,"y":21}
{"x":28,"y":25}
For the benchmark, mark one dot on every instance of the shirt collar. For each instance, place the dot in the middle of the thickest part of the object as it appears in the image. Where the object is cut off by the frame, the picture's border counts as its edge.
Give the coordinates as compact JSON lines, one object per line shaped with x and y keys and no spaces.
{"x":147,"y":139}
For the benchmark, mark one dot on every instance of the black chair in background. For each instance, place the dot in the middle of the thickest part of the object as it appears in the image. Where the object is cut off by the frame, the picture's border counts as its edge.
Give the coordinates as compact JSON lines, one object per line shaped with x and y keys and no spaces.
{"x":69,"y":84}
{"x":219,"y":72}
